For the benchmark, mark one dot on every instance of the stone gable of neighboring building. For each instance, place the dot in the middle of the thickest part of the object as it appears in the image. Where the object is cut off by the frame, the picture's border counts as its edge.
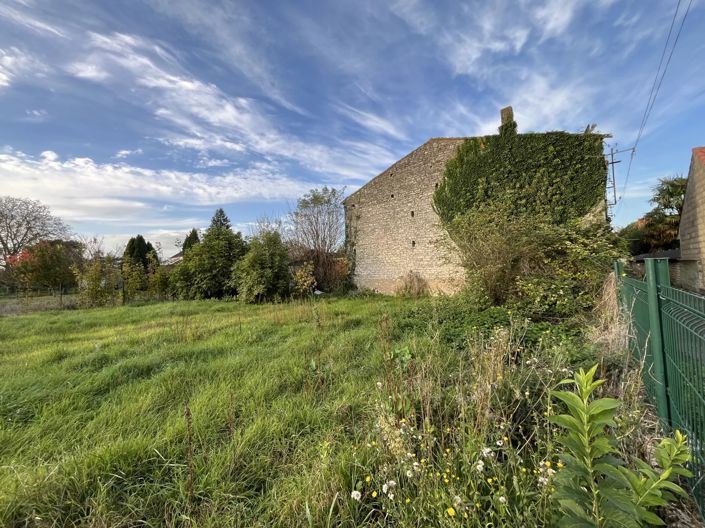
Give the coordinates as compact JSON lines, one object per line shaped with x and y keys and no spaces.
{"x":692,"y":224}
{"x":392,"y":228}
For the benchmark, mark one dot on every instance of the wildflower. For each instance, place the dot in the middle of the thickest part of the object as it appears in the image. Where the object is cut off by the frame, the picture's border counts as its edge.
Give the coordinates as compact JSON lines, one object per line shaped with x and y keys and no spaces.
{"x":489,"y":480}
{"x":446,"y":480}
{"x":451,"y":511}
{"x":409,"y":474}
{"x":480,"y":466}
{"x":379,"y":384}
{"x":505,"y":438}
{"x":543,"y":481}
{"x":523,"y":470}
{"x":384,"y":488}
{"x":547,"y":463}
{"x":500,"y":443}
{"x":391,"y":496}
{"x":486,"y":451}
{"x":503,"y":499}
{"x":356,"y":495}
{"x":560,"y":465}
{"x":457,"y":501}
{"x":526,"y":394}
{"x":368,"y":479}
{"x":407,"y":501}
{"x":477,"y":505}
{"x":392,"y":484}
{"x":447,"y":450}
{"x":374,"y":494}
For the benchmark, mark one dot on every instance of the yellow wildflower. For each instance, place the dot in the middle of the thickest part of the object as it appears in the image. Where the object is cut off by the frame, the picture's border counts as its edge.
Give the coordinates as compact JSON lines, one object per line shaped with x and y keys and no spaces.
{"x":368,"y":479}
{"x":489,"y":480}
{"x":451,"y":511}
{"x":523,"y":470}
{"x":374,"y":494}
{"x":408,"y":500}
{"x":548,"y":463}
{"x":560,"y":465}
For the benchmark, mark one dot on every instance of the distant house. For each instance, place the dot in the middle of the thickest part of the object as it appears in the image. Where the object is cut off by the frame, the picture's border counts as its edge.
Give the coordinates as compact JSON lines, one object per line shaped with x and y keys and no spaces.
{"x":174,"y":259}
{"x":692,"y":226}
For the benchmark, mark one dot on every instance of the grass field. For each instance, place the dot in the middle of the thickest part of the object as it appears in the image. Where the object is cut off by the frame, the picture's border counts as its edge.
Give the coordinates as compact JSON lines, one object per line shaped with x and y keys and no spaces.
{"x":340,"y":412}
{"x":92,"y":406}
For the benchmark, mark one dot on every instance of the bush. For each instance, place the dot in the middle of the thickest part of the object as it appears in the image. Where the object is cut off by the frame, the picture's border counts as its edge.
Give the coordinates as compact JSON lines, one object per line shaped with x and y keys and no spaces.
{"x":98,"y":282}
{"x":304,"y":281}
{"x":263,"y":273}
{"x":413,"y":285}
{"x":543,"y":269}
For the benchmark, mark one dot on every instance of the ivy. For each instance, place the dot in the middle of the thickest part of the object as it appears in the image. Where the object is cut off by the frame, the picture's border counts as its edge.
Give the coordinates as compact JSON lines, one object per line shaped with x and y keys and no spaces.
{"x":556,"y":175}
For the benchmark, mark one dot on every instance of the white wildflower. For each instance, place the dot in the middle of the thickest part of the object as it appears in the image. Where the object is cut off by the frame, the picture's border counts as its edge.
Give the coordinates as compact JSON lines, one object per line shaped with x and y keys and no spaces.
{"x":500,"y":443}
{"x":385,"y":487}
{"x":486,"y":452}
{"x":356,"y":495}
{"x":409,"y":473}
{"x":457,"y":501}
{"x":480,"y":466}
{"x":391,"y":496}
{"x":379,"y":384}
{"x":503,"y":499}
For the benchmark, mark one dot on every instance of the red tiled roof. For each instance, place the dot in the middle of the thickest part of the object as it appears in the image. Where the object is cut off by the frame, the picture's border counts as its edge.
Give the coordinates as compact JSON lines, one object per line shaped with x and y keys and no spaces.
{"x":699,"y":154}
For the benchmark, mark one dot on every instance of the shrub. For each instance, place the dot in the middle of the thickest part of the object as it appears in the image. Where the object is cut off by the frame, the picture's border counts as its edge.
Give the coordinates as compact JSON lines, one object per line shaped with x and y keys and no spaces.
{"x":304,"y":282}
{"x":263,"y":273}
{"x":595,"y":488}
{"x":413,"y":285}
{"x":98,"y":282}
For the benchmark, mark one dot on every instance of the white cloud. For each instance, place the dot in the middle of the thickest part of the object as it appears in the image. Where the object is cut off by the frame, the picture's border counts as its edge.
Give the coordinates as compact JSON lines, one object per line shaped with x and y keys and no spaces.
{"x":372,"y":122}
{"x":204,"y":118}
{"x":91,"y":72}
{"x":37,"y":115}
{"x":81,"y":190}
{"x":122,"y":154}
{"x":15,"y":64}
{"x":555,"y":16}
{"x":28,"y":21}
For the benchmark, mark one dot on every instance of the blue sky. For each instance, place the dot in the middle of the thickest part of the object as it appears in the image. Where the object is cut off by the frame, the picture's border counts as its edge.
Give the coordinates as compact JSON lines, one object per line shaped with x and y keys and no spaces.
{"x":144,"y":116}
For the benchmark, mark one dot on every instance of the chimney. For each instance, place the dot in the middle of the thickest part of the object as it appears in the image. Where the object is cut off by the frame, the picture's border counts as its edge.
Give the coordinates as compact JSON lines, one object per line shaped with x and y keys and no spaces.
{"x":507,"y":115}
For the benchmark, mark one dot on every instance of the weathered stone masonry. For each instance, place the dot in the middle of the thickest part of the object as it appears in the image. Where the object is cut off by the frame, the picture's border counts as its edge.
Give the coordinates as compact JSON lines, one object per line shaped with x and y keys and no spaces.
{"x":392,"y":227}
{"x":692,"y":226}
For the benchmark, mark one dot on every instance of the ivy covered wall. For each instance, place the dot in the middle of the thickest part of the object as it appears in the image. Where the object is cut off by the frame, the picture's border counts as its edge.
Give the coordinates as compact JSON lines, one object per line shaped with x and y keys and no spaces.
{"x":556,"y":175}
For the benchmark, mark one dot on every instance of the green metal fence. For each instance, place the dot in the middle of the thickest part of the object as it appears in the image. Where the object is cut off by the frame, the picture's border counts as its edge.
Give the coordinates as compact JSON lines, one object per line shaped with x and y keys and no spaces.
{"x":669,"y":334}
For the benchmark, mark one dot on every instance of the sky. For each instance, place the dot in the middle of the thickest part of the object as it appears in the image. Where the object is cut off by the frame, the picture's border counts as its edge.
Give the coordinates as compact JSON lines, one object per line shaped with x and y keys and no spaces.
{"x":131,"y":117}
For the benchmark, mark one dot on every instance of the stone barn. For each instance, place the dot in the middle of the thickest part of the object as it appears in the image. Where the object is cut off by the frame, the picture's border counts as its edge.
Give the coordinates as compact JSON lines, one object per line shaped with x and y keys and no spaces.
{"x":392,"y":228}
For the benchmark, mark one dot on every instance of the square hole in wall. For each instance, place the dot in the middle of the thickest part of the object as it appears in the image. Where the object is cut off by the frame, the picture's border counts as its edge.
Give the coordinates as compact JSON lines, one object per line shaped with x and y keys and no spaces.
{"x":413,"y":243}
{"x":412,"y":214}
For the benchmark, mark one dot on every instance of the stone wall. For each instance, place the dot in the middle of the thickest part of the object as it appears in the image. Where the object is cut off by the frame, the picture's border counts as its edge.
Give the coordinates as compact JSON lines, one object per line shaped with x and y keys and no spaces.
{"x":692,"y":225}
{"x":392,"y":228}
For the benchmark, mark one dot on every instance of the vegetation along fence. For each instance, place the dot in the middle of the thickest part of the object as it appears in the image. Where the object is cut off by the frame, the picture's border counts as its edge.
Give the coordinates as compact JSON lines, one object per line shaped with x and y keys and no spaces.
{"x":669,"y":334}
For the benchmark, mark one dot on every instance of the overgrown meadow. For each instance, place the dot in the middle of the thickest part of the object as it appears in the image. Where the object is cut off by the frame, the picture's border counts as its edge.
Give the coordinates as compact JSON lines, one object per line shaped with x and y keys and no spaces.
{"x":363,"y":411}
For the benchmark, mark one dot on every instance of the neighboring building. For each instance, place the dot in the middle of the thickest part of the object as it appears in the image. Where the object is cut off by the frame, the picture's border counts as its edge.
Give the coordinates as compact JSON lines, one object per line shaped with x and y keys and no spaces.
{"x":174,"y":259}
{"x":692,"y":226}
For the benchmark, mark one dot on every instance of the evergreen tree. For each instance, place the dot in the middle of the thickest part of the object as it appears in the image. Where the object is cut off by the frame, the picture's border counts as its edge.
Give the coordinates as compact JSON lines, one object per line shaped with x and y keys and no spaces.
{"x":191,"y":240}
{"x":220,"y":220}
{"x":137,"y":251}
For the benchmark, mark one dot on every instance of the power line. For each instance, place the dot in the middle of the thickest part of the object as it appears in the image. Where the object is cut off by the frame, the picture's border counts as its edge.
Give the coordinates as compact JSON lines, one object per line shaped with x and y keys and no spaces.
{"x":655,"y":88}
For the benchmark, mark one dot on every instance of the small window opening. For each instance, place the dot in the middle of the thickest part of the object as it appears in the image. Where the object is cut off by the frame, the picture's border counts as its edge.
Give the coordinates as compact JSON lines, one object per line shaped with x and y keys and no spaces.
{"x":413,"y":243}
{"x":436,"y":185}
{"x":412,"y":214}
{"x":392,"y":196}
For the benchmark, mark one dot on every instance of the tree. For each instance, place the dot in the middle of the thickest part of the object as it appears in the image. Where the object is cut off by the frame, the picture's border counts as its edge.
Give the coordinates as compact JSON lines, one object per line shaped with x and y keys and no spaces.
{"x":48,"y":264}
{"x":206,"y":268}
{"x":25,"y":222}
{"x":220,"y":220}
{"x":138,"y":250}
{"x":191,"y":240}
{"x":669,"y":195}
{"x":98,"y":281}
{"x":658,"y":229}
{"x":263,"y":273}
{"x":318,"y":227}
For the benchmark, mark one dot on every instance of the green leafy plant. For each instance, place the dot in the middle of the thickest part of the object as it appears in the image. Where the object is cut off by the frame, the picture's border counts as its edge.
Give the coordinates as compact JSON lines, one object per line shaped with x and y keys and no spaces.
{"x":595,"y":488}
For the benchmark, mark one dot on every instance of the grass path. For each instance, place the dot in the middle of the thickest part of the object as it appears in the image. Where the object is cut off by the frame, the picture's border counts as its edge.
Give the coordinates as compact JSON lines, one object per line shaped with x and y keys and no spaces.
{"x":92,"y":427}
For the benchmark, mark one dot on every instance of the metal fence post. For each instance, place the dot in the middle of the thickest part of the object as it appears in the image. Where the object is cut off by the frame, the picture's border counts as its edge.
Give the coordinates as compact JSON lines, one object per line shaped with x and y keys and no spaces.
{"x":657,"y":275}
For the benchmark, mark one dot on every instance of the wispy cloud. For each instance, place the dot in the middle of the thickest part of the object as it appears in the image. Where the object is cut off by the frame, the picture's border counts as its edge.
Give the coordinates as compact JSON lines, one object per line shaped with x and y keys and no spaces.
{"x":122,"y":154}
{"x":22,"y":18}
{"x":372,"y":122}
{"x":16,"y":64}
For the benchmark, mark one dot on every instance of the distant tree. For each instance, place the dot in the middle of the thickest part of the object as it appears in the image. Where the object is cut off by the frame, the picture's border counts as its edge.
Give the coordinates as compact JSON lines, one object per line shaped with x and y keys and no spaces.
{"x":318,"y":228}
{"x":191,"y":240}
{"x":220,"y":220}
{"x":98,"y":281}
{"x":669,"y":195}
{"x":206,"y":268}
{"x":658,"y":229}
{"x":25,"y":222}
{"x":133,"y":279}
{"x":138,"y":250}
{"x":263,"y":273}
